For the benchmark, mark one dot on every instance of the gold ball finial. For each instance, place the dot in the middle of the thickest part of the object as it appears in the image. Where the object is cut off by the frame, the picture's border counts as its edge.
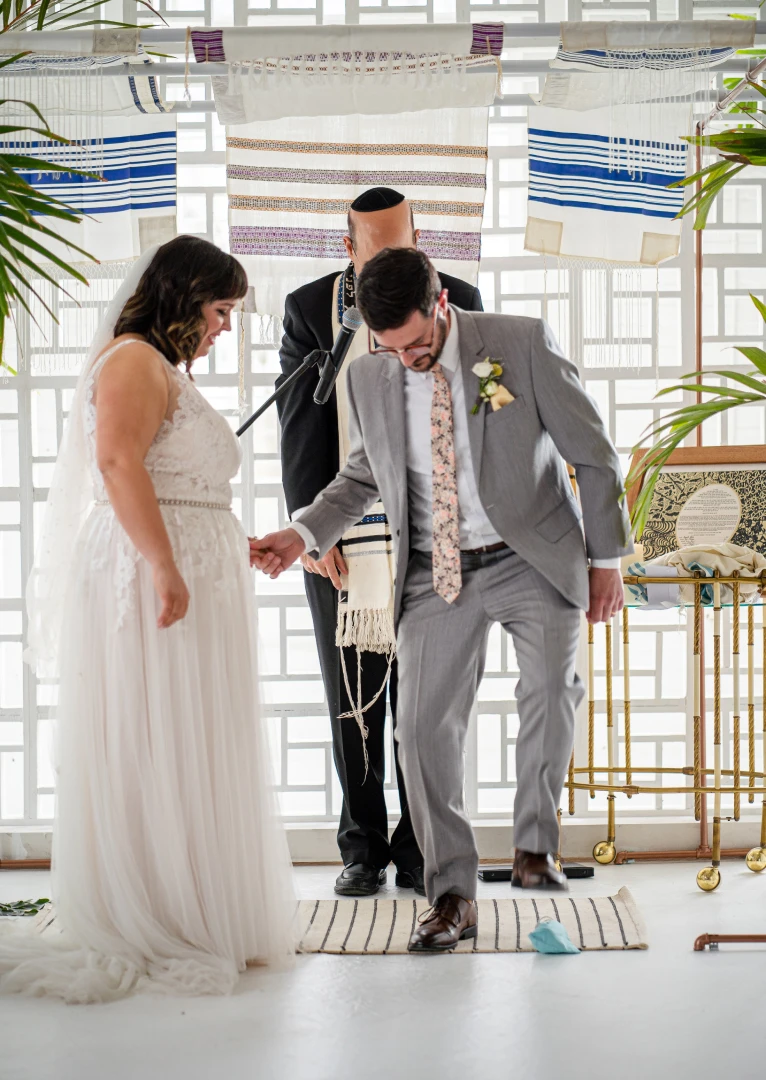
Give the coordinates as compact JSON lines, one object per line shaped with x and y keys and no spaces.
{"x":709,"y":878}
{"x":605,"y":852}
{"x":756,"y":859}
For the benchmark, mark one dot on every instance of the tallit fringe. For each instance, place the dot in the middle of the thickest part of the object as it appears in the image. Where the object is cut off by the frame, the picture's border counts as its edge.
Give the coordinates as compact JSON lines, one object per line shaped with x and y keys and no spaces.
{"x":370,"y":630}
{"x":357,"y":709}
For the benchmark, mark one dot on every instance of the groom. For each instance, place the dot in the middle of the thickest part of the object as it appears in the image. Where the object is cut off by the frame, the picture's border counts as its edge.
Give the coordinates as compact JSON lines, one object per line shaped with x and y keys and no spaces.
{"x":461,"y":423}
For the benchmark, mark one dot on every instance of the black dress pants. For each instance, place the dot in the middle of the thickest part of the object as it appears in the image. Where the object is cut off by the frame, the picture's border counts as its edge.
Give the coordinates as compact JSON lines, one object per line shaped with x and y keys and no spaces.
{"x":363,"y":830}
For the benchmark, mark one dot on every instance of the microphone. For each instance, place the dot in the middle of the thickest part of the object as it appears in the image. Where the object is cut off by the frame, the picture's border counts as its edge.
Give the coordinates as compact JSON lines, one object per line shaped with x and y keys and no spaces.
{"x":352,"y":320}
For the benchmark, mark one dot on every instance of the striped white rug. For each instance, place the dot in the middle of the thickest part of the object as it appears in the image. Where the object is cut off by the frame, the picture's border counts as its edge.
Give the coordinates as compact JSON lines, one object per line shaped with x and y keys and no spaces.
{"x":383,"y":927}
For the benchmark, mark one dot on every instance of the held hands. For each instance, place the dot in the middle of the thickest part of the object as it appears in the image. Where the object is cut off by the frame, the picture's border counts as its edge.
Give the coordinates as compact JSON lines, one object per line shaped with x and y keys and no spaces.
{"x":606,"y":595}
{"x":332,"y":566}
{"x":276,"y":552}
{"x":173,"y":594}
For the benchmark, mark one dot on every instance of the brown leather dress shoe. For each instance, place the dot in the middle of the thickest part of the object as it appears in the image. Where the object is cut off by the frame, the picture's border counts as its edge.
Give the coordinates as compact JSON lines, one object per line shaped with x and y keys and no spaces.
{"x":441,"y":927}
{"x":531,"y":871}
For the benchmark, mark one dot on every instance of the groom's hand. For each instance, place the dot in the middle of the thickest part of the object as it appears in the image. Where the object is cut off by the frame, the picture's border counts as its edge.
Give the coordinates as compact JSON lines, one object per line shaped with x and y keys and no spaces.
{"x":606,"y":594}
{"x":276,"y":552}
{"x":332,"y":566}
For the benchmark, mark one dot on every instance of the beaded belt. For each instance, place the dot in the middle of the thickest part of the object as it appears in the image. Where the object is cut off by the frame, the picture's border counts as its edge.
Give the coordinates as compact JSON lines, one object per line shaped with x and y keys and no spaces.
{"x":180,"y":502}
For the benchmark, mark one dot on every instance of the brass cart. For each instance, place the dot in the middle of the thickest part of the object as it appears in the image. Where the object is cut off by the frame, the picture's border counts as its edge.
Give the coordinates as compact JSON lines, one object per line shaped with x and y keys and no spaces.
{"x":738,"y":781}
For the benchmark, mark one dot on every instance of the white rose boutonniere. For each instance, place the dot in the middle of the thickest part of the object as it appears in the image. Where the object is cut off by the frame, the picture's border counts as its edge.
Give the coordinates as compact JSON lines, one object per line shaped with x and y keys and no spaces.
{"x":488,"y":372}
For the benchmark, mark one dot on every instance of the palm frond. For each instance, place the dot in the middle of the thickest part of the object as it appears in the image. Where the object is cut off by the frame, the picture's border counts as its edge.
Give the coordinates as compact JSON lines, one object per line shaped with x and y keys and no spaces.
{"x":669,"y":431}
{"x":39,"y":15}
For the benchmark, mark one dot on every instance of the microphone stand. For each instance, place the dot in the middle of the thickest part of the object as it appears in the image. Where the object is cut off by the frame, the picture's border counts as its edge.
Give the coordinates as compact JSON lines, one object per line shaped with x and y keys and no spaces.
{"x":312,"y":360}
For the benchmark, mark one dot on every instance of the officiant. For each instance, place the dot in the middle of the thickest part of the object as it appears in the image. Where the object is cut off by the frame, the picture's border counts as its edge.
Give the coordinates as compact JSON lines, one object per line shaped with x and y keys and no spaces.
{"x":352,"y":614}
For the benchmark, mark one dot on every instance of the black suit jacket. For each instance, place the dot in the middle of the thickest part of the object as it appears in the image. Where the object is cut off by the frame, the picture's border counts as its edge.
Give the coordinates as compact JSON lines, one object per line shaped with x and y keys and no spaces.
{"x":309,"y":448}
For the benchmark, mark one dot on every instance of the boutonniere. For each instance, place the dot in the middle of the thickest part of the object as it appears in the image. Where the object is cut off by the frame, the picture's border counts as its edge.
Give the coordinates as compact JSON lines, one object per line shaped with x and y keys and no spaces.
{"x":489,"y":371}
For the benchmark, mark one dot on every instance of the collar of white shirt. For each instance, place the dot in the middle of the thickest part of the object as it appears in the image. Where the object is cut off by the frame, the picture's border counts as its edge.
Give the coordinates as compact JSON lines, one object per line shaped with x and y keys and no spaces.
{"x":450,"y":357}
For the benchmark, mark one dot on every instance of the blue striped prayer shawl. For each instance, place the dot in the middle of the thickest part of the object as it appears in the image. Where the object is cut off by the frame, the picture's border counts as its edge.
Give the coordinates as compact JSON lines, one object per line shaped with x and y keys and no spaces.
{"x":139,"y":173}
{"x":581,"y":170}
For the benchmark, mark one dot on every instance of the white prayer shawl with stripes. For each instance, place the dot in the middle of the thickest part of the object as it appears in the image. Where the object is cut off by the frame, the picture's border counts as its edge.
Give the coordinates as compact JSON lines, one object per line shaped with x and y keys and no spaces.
{"x":366,"y":609}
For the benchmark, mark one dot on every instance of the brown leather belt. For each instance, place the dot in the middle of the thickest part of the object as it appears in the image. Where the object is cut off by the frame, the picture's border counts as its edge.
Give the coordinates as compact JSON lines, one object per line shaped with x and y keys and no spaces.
{"x":484,"y":550}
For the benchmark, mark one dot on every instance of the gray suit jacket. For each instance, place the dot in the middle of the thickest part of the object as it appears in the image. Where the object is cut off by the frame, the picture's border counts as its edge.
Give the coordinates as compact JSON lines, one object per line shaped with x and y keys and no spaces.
{"x":518,"y":456}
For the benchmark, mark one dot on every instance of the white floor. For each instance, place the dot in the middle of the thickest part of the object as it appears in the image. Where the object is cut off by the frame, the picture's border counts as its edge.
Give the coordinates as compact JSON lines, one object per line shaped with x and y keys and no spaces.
{"x":668,"y":1012}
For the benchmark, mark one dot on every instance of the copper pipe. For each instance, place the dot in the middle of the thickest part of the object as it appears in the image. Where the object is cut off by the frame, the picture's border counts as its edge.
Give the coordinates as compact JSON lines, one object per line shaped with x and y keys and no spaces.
{"x":698,"y":283}
{"x":25,"y":864}
{"x":623,"y":857}
{"x":724,"y":939}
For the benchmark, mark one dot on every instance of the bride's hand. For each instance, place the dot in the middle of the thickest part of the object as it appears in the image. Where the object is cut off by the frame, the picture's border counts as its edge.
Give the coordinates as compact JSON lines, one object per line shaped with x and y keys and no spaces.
{"x":172,"y":591}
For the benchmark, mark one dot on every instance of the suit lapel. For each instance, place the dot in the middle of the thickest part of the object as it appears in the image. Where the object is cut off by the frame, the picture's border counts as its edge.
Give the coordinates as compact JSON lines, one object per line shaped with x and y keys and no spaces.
{"x":472,"y":349}
{"x":392,"y":417}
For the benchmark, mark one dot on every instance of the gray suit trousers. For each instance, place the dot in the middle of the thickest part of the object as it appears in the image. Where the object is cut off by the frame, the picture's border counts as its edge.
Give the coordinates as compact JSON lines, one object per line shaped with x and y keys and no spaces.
{"x":441,"y":651}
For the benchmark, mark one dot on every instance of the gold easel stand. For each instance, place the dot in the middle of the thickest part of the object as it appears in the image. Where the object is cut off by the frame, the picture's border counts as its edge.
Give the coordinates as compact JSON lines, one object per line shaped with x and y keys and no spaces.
{"x":605,"y":851}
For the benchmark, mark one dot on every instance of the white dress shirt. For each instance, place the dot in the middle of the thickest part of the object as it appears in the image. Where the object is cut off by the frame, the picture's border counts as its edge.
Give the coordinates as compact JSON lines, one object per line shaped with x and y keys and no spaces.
{"x":476,"y":529}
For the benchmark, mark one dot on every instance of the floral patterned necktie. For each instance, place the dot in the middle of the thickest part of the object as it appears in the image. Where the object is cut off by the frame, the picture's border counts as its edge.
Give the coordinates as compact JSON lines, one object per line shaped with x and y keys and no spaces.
{"x":447,"y":575}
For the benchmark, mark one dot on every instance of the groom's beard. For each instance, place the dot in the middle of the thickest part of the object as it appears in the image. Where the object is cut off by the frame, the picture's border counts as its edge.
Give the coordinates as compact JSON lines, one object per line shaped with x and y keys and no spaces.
{"x":425,"y":363}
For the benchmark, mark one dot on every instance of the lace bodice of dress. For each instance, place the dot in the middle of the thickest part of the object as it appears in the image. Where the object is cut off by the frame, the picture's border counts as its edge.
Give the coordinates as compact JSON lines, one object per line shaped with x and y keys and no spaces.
{"x":194,"y":454}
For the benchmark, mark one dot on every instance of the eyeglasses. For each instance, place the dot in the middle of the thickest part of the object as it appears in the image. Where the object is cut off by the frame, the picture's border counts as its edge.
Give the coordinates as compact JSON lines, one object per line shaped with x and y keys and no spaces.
{"x":414,"y":352}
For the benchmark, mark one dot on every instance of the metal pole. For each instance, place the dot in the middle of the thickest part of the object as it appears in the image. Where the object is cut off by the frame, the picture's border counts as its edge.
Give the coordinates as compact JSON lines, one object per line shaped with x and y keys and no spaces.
{"x":176,"y":35}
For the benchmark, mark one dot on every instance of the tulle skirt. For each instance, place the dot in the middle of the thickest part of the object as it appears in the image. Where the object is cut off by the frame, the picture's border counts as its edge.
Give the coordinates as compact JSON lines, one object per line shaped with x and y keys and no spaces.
{"x":170,"y":867}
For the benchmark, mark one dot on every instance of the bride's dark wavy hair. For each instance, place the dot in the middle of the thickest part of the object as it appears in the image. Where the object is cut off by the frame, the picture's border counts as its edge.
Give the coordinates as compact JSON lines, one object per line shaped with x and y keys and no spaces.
{"x":166,"y":307}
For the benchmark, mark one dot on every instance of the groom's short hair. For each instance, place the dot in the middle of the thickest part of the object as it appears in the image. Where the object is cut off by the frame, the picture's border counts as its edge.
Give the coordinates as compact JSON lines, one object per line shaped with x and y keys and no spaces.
{"x":393,"y":285}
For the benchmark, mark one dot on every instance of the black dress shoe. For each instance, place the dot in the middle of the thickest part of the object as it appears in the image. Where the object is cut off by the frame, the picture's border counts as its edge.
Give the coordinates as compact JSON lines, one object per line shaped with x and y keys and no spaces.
{"x":358,"y":879}
{"x":411,"y":879}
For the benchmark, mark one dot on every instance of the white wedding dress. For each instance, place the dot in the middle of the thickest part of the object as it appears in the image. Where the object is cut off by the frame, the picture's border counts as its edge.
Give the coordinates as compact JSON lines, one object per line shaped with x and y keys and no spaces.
{"x":170,"y":867}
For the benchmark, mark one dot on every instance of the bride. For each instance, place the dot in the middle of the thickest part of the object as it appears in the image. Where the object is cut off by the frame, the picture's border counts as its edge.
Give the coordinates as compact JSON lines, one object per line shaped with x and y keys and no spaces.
{"x":170,"y":869}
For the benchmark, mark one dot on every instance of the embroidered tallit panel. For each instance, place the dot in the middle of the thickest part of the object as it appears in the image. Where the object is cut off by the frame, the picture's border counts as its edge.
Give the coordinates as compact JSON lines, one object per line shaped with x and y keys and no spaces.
{"x":344,"y":70}
{"x":290,"y":186}
{"x":237,"y":44}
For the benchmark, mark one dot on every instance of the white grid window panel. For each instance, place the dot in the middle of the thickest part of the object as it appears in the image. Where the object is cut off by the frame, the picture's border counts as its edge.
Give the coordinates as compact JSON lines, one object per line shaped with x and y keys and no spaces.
{"x":33,"y":408}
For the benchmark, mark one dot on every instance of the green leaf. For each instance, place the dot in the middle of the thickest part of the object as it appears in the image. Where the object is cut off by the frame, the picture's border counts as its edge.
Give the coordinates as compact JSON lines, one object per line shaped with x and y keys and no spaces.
{"x":715,"y":167}
{"x":760,"y":305}
{"x":755,"y":355}
{"x":668,"y":434}
{"x":746,"y":380}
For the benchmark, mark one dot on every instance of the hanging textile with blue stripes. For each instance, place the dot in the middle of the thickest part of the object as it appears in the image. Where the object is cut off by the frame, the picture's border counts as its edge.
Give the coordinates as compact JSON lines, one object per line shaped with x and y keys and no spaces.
{"x":607,"y":137}
{"x":119,"y":130}
{"x":130,"y":202}
{"x":606,"y":142}
{"x":600,"y":195}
